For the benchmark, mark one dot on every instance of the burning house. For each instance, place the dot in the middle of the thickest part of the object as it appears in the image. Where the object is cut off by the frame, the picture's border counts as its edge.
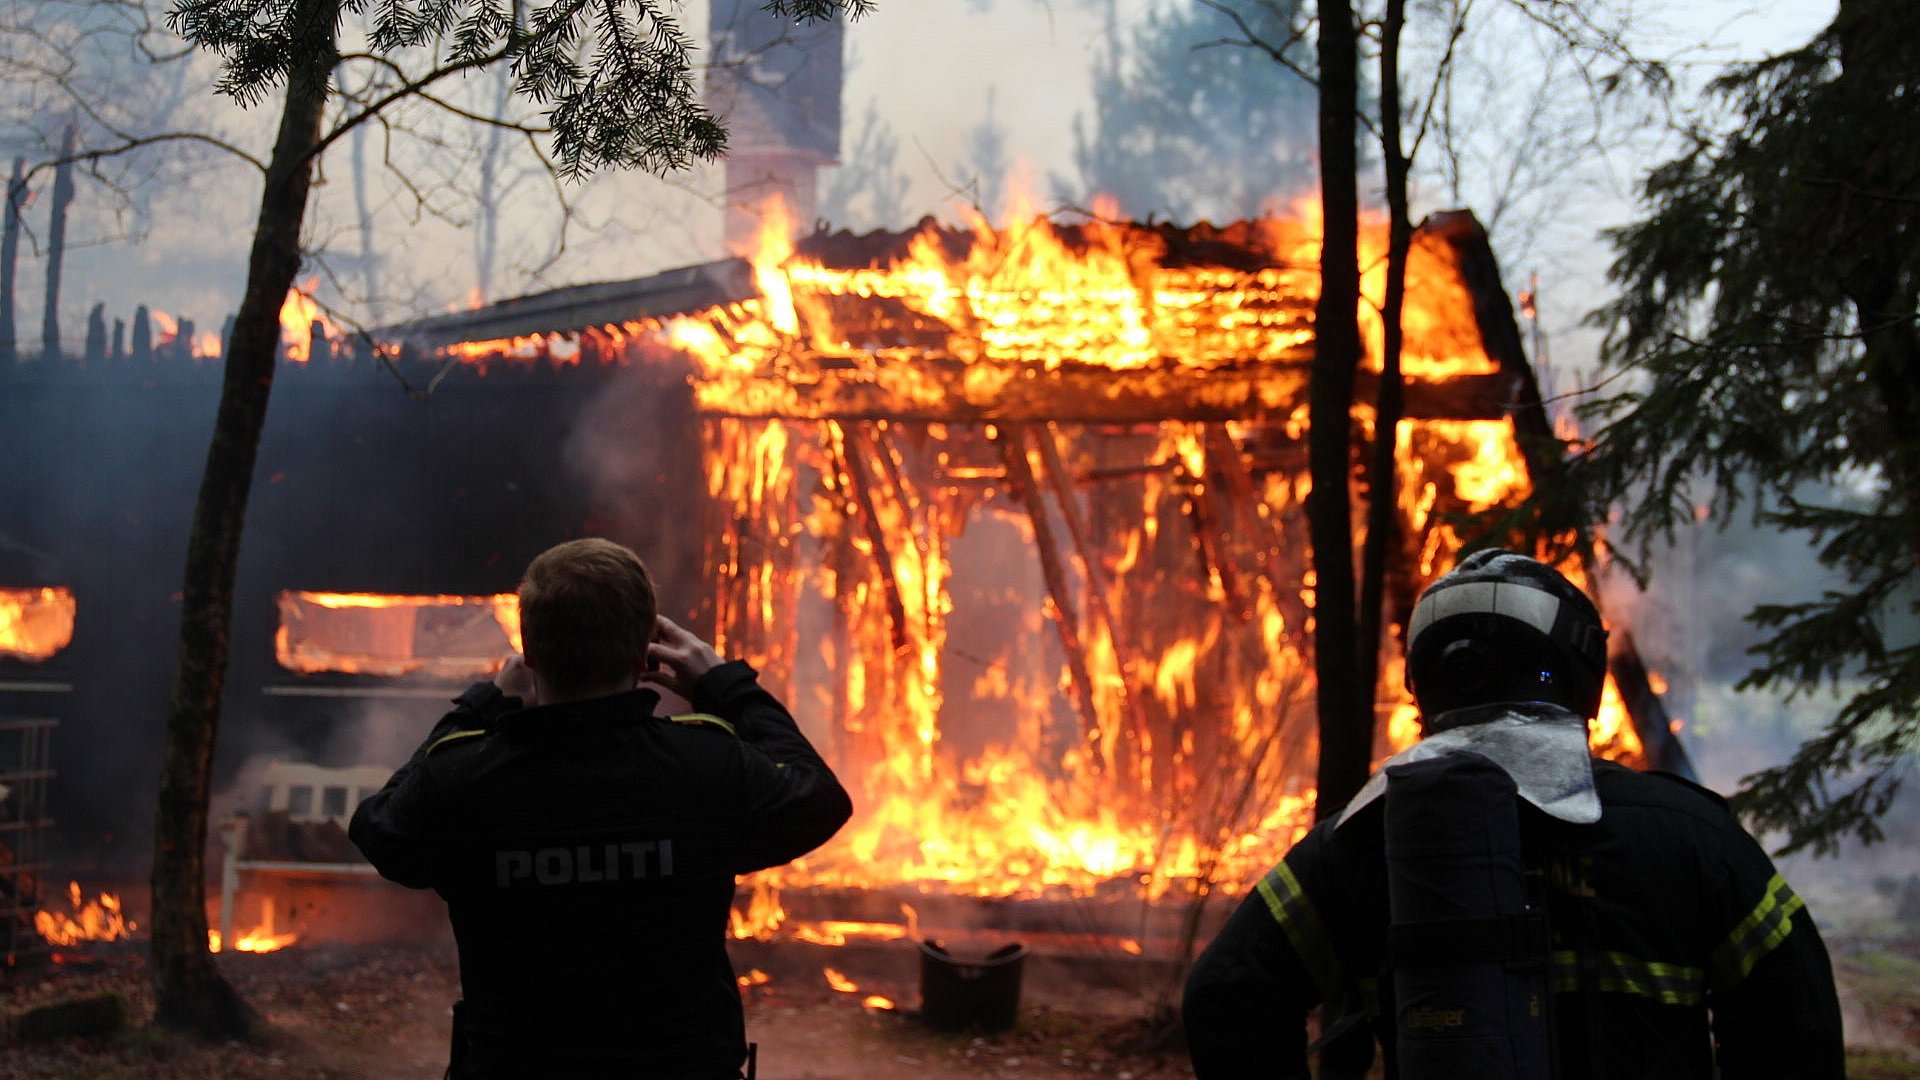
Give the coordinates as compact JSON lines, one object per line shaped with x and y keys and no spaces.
{"x":1013,"y":519}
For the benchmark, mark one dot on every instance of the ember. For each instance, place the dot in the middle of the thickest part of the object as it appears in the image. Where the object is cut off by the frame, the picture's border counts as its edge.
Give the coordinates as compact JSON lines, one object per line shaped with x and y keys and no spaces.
{"x":35,"y":623}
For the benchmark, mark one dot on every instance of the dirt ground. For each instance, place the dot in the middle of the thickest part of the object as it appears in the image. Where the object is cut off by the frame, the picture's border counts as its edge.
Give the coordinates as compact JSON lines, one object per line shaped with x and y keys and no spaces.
{"x":361,"y":1013}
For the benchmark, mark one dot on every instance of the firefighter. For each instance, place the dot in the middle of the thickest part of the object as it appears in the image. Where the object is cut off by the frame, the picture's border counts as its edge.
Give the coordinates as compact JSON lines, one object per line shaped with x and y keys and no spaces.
{"x":1642,"y":933}
{"x":586,"y":847}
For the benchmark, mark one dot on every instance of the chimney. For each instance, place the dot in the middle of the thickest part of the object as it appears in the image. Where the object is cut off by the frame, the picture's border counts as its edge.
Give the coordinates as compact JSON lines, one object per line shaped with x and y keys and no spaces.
{"x":776,"y":85}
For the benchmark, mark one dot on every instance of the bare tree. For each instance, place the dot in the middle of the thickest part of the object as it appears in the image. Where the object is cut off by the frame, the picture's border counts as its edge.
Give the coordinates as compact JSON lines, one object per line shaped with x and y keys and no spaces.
{"x":633,"y":106}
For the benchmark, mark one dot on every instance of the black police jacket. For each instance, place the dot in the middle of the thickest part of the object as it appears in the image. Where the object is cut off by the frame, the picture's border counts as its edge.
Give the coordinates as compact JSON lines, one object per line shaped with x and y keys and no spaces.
{"x":587,"y":852}
{"x":1676,"y":947}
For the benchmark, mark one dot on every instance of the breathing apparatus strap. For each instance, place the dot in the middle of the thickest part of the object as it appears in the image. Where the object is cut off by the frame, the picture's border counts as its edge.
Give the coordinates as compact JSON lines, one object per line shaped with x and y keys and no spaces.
{"x":1467,"y":946}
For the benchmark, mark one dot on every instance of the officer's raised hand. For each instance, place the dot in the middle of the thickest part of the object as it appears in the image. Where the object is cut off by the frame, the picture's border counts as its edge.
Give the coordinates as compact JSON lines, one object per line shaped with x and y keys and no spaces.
{"x":679,"y":657}
{"x":516,"y":680}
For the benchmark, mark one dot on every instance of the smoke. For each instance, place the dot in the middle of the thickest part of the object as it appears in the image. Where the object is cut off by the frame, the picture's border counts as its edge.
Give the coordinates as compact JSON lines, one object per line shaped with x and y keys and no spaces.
{"x":1691,"y":626}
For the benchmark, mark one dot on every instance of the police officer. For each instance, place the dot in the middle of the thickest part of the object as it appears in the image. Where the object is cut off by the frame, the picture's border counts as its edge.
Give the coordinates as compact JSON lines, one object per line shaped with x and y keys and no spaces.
{"x":1667,"y":944}
{"x":586,"y":847}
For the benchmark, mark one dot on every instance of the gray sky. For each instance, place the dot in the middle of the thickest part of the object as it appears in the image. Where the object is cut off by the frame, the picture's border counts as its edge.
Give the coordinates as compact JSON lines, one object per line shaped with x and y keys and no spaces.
{"x":928,"y":68}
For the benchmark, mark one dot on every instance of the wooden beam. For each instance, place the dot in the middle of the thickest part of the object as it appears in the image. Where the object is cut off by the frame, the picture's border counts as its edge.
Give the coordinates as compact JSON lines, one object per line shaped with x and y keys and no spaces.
{"x":1020,"y":472}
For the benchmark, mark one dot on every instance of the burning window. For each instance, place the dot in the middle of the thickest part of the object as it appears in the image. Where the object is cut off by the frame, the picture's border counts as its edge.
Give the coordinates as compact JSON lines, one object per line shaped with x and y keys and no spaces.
{"x":35,"y":623}
{"x":447,"y":637}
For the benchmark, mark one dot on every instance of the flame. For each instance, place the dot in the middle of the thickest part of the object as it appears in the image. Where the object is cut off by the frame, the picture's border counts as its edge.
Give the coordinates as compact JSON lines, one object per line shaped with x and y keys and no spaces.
{"x":208,"y":346}
{"x":166,"y":329}
{"x":379,"y":634}
{"x":260,"y":939}
{"x":300,"y":316}
{"x":1611,"y":732}
{"x":838,"y":931}
{"x":764,"y":913}
{"x":1146,"y":720}
{"x":840,"y":982}
{"x":754,"y":977}
{"x":877,"y":1001}
{"x":35,"y":623}
{"x":100,"y":919}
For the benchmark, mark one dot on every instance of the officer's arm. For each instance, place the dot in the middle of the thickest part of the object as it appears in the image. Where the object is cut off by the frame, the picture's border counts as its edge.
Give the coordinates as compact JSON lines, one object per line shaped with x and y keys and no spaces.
{"x":1775,"y":1010}
{"x":794,"y":802}
{"x":1249,"y":994}
{"x":395,"y":827}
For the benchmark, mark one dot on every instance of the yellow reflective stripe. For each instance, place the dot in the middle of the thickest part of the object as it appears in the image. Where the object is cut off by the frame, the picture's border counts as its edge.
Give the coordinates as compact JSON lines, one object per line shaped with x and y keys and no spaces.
{"x":1623,"y":973}
{"x":1762,"y":931}
{"x":454,"y":736}
{"x":1289,"y":906}
{"x":703,"y":718}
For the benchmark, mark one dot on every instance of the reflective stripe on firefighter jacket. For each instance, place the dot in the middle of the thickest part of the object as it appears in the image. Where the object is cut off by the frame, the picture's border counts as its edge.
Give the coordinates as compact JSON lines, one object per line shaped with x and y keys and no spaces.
{"x":1671,"y":930}
{"x":587,"y":852}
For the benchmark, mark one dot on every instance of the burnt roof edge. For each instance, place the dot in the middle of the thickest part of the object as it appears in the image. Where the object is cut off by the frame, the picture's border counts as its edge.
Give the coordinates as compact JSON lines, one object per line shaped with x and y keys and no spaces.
{"x":679,"y":291}
{"x":1500,"y":336}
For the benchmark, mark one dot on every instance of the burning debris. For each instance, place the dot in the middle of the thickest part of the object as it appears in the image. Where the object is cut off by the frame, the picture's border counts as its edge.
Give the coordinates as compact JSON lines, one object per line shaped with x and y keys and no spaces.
{"x":85,"y":921}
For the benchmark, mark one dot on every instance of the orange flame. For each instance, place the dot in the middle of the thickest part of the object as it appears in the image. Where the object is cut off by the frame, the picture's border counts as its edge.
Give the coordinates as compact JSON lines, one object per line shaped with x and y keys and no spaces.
{"x":764,"y":913}
{"x":100,"y":919}
{"x":1148,"y":719}
{"x":381,"y":634}
{"x":840,"y":982}
{"x":166,"y":329}
{"x":300,"y":316}
{"x":35,"y":623}
{"x":260,"y":939}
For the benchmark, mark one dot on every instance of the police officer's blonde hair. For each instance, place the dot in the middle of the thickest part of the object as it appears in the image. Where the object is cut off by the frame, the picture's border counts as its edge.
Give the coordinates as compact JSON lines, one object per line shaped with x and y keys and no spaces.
{"x":586,"y":613}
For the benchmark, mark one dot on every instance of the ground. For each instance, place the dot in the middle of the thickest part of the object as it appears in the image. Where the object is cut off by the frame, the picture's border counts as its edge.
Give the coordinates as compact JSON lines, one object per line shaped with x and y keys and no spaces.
{"x":361,"y":1013}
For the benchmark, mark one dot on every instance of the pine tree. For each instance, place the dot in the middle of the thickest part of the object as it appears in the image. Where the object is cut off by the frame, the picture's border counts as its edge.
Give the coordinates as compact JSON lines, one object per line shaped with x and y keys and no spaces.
{"x":1767,"y":337}
{"x":1183,"y":86}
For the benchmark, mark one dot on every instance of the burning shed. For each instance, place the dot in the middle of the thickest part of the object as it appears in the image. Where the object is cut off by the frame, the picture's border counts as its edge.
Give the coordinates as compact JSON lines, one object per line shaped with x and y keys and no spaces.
{"x":1017,"y":517}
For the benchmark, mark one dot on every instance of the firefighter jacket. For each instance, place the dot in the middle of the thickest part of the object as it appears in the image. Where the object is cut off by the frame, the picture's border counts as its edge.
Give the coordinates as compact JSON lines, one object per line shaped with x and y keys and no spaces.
{"x":1675,"y":946}
{"x":587,"y":851}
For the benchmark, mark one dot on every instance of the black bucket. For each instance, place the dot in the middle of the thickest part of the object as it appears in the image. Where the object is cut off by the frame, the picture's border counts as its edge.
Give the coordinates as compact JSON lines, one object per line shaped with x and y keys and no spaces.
{"x":970,"y":995}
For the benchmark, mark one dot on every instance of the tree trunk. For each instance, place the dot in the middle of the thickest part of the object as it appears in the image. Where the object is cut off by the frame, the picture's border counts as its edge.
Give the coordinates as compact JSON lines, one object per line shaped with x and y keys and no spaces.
{"x":1383,"y":487}
{"x":57,"y":245}
{"x":1344,"y":709}
{"x":189,"y":992}
{"x":363,"y":207}
{"x":9,"y":259}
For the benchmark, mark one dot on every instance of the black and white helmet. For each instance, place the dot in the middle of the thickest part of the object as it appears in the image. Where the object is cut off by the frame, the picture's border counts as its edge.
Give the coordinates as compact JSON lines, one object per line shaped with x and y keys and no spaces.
{"x":1504,"y":627}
